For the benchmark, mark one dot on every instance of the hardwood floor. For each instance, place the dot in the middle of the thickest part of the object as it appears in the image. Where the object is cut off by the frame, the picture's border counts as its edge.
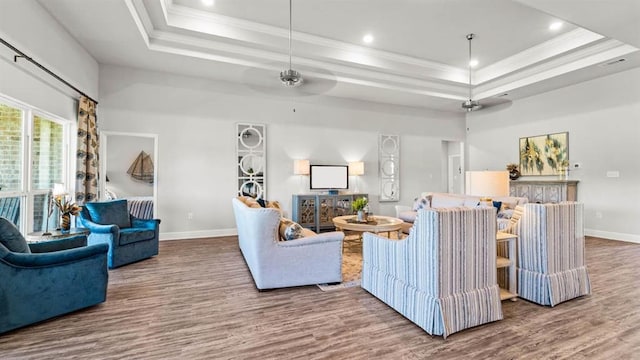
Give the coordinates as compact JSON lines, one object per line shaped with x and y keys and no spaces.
{"x":197,"y":301}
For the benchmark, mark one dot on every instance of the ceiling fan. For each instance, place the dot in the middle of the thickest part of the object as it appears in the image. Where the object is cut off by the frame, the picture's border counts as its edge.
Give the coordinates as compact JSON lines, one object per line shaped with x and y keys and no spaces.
{"x":473,"y":105}
{"x":315,"y":81}
{"x":290,"y":77}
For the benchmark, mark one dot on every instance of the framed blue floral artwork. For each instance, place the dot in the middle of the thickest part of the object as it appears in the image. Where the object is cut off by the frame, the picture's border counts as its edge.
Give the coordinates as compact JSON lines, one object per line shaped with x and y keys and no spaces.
{"x":544,"y":154}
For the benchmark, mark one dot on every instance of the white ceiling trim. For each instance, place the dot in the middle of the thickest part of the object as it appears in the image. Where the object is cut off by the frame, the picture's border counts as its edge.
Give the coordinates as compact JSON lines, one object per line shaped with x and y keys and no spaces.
{"x":248,"y":31}
{"x":200,"y":48}
{"x":554,"y":47}
{"x":141,"y":19}
{"x":588,"y":57}
{"x":251,"y":44}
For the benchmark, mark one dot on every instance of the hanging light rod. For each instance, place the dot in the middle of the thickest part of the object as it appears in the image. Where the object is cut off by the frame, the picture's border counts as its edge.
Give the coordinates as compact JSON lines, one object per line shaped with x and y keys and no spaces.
{"x":290,"y":77}
{"x":471,"y":105}
{"x":20,"y":54}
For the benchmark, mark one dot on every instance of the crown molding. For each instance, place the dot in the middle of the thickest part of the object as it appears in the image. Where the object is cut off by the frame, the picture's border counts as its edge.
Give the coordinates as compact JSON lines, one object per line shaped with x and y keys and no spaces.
{"x":245,"y":31}
{"x":185,"y":31}
{"x":594,"y":55}
{"x":555,"y":47}
{"x":205,"y":49}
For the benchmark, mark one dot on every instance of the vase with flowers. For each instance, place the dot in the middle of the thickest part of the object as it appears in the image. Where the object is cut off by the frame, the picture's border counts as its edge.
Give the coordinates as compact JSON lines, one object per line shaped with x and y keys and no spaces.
{"x":66,"y":208}
{"x":359,"y":205}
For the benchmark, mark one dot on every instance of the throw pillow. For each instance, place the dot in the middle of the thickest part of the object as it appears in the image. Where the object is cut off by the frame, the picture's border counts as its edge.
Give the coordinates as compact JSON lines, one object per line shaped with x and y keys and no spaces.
{"x":262,"y":202}
{"x":505,"y":214}
{"x":497,"y":205}
{"x":11,"y":238}
{"x":273,"y":205}
{"x":290,"y":230}
{"x":110,"y":212}
{"x":422,"y":203}
{"x":509,"y":205}
{"x":293,"y":231}
{"x":249,"y":201}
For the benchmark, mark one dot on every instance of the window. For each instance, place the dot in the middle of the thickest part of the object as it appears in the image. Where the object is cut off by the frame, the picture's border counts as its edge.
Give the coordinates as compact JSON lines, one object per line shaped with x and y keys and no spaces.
{"x":33,"y":157}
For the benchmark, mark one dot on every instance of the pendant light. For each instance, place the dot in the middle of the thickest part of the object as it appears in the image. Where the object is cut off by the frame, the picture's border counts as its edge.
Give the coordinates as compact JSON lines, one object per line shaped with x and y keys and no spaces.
{"x":290,"y":77}
{"x":470,"y":105}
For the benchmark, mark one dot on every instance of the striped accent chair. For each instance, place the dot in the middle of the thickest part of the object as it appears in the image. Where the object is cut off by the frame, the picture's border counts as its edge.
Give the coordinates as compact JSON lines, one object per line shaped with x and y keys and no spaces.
{"x":551,"y":253}
{"x":443,"y":275}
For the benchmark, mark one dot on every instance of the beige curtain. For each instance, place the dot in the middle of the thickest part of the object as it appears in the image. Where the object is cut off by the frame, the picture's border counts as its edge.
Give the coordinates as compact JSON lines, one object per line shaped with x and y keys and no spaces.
{"x":87,"y":153}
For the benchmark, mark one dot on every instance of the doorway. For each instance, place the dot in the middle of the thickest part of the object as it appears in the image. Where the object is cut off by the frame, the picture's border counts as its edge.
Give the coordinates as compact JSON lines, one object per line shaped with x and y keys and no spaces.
{"x":118,"y":152}
{"x":454,"y":163}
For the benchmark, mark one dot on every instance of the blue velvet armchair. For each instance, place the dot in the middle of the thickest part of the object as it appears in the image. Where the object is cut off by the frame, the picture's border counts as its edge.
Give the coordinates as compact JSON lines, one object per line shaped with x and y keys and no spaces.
{"x":130,"y":239}
{"x":43,"y":280}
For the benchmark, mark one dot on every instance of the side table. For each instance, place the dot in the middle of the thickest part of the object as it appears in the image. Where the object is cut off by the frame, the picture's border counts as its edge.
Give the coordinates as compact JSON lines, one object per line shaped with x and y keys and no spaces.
{"x":509,"y":263}
{"x":37,"y":237}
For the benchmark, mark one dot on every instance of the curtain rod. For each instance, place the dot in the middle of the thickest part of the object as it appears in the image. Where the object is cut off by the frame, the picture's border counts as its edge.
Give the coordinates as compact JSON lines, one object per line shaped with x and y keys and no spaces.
{"x":23,"y":55}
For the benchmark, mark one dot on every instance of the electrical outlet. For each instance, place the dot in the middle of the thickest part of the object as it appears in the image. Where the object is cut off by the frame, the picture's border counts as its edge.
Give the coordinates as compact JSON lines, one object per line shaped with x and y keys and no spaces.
{"x":598,"y":215}
{"x":613,"y":174}
{"x":189,"y":216}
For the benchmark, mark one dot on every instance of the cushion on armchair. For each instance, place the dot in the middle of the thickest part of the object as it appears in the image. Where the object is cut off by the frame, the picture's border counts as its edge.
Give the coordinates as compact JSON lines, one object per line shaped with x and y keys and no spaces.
{"x":110,"y":212}
{"x":11,"y":238}
{"x":131,"y":235}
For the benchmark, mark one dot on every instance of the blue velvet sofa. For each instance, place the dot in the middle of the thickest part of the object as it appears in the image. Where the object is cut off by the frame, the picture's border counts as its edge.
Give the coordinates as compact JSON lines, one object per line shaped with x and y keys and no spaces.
{"x":43,"y":280}
{"x":130,"y":239}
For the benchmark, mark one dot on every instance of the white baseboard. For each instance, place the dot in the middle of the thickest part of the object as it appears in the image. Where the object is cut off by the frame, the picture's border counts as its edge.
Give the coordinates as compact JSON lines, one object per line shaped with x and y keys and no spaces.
{"x":197,"y":234}
{"x":613,"y":235}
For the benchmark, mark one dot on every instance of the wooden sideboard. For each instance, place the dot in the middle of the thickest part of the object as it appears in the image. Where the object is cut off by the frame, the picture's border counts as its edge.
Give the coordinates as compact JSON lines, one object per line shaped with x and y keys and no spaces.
{"x":545,"y":191}
{"x":316,"y":211}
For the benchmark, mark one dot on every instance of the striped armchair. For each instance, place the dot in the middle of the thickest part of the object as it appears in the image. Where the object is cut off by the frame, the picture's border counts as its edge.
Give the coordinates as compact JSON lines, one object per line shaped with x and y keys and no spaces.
{"x":551,"y":253}
{"x":443,"y":275}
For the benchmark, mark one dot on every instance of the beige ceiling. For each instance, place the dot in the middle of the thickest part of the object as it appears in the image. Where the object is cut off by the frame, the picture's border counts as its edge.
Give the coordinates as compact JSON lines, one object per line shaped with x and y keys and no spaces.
{"x":418,"y":56}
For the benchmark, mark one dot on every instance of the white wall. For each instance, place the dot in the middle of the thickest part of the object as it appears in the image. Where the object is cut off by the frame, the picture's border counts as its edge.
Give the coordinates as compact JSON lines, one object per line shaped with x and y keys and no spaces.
{"x":30,"y":28}
{"x":121,"y":152}
{"x":195,"y":121}
{"x":602,"y":118}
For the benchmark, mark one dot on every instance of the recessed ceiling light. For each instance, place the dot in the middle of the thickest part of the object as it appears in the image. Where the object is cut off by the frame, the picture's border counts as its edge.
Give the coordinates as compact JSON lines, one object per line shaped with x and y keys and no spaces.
{"x":208,"y":2}
{"x":555,"y":26}
{"x":473,"y":63}
{"x":368,"y":39}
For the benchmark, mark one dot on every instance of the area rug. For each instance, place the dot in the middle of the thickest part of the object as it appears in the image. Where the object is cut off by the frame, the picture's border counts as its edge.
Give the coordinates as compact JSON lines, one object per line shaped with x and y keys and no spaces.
{"x":351,"y":265}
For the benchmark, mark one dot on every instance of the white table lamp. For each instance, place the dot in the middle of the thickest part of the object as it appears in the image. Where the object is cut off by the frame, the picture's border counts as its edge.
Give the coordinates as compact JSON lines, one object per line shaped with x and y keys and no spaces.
{"x":487,"y":183}
{"x":356,"y":168}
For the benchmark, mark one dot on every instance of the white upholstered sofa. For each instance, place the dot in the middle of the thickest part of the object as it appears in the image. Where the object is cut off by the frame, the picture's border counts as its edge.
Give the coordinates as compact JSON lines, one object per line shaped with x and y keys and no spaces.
{"x":312,"y":259}
{"x":431,"y":200}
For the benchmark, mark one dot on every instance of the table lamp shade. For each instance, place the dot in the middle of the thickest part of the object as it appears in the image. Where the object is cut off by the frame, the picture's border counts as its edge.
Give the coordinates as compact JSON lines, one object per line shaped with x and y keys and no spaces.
{"x":58,"y":189}
{"x":356,"y":168}
{"x":487,"y":183}
{"x":301,"y":167}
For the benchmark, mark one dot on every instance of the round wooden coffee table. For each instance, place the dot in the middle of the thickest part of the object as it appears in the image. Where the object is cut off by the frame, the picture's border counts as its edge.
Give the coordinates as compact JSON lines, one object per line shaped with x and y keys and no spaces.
{"x":36,"y":237}
{"x":376,"y":224}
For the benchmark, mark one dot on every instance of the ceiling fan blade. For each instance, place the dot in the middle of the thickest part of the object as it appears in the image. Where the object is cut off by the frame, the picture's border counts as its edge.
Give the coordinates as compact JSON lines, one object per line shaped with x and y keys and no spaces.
{"x":266,"y":79}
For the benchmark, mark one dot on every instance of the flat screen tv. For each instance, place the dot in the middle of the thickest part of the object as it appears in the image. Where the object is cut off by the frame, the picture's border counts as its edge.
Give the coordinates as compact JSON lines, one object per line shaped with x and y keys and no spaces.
{"x":329,"y":177}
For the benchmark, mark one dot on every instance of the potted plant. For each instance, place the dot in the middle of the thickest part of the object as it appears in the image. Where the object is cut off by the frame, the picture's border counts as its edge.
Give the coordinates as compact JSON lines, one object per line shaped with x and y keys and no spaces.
{"x":514,"y":173}
{"x":358,"y":205}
